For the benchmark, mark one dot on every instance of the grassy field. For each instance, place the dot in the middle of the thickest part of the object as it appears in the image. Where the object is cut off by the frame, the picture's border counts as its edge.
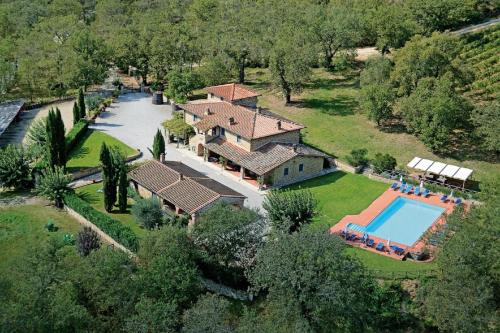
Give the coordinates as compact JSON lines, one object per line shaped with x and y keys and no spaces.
{"x":22,"y":227}
{"x":388,"y":268}
{"x":328,"y":106}
{"x":86,"y":152}
{"x":90,"y":194}
{"x":340,"y":194}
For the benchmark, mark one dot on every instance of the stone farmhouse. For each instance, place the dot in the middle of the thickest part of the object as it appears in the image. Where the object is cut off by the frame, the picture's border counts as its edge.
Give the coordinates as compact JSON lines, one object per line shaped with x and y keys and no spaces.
{"x":258,"y":146}
{"x":181,"y":189}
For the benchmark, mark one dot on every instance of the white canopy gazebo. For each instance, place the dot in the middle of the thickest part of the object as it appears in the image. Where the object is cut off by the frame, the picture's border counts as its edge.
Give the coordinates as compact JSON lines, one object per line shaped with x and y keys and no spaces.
{"x":441,"y":169}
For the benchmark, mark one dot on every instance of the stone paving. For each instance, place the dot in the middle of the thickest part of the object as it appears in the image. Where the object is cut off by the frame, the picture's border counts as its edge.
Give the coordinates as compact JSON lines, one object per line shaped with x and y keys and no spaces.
{"x":134,"y":120}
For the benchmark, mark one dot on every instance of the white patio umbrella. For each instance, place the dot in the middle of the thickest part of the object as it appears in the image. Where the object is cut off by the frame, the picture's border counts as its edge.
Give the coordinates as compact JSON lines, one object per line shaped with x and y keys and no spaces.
{"x":389,"y":243}
{"x":421,"y":184}
{"x":401,"y":178}
{"x":451,"y":194}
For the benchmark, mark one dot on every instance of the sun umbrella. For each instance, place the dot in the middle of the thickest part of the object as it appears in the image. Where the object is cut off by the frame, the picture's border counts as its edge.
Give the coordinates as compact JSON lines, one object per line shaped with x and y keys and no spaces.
{"x":401,"y":178}
{"x":421,"y":184}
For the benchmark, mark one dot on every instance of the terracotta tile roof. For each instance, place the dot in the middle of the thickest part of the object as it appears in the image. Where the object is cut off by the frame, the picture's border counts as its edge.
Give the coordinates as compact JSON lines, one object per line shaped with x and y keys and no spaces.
{"x":266,"y":158}
{"x":231,"y":92}
{"x":189,"y":195}
{"x":154,"y":176}
{"x":181,"y":185}
{"x":246,"y":122}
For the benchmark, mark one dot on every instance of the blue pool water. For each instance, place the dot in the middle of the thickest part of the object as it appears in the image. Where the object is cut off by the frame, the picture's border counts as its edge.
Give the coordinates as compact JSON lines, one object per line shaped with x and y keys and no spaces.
{"x":404,"y":221}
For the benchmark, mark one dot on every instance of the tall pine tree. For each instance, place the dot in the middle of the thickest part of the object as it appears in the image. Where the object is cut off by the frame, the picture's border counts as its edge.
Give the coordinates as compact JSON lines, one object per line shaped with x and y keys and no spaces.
{"x":109,"y":186}
{"x":56,"y":146}
{"x":158,"y":145}
{"x":76,"y":113}
{"x":81,"y":103}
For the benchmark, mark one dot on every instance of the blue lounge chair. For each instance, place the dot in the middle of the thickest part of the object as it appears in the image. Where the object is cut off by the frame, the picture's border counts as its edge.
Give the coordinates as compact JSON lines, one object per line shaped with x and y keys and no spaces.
{"x":444,"y":198}
{"x":458,"y":201}
{"x":370,"y":242}
{"x":394,"y":186}
{"x":417,"y":191}
{"x":408,"y":189}
{"x":380,"y":247}
{"x":426,"y":193}
{"x":402,"y":188}
{"x":396,"y":249}
{"x":352,"y":237}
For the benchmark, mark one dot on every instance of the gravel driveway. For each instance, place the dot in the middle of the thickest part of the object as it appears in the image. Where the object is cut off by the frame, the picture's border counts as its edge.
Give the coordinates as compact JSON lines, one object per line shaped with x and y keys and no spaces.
{"x":133,"y":119}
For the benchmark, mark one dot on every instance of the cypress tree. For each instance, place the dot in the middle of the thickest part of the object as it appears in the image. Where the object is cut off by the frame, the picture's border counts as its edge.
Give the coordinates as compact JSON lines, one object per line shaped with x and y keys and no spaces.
{"x":51,"y":138}
{"x":122,"y":190}
{"x":76,"y":113}
{"x":56,"y":146}
{"x":81,"y":103}
{"x":107,"y":178}
{"x":158,"y":145}
{"x":60,"y":138}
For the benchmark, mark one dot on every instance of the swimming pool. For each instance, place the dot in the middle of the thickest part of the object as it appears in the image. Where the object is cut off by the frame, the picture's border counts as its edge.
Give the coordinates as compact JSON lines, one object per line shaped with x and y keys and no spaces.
{"x":404,"y":221}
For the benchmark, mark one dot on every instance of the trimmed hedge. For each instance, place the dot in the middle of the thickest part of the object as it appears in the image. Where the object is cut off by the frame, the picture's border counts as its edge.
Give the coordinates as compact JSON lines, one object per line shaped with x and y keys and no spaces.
{"x":76,"y":134}
{"x":122,"y":234}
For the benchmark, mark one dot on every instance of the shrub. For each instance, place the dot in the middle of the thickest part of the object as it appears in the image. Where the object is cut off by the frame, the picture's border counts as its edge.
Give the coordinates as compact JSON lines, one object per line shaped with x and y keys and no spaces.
{"x":93,"y":102}
{"x":76,"y":134}
{"x":288,"y":210}
{"x":148,"y":213}
{"x":15,"y":169}
{"x":53,"y":184}
{"x":117,"y":83}
{"x":51,"y":226}
{"x":116,"y":93}
{"x":383,"y":162}
{"x":87,"y":240}
{"x":358,"y":157}
{"x":122,"y":234}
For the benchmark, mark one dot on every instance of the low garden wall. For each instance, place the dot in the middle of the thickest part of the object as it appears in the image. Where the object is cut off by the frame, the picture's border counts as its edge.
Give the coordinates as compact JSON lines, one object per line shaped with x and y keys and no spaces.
{"x":345,"y":167}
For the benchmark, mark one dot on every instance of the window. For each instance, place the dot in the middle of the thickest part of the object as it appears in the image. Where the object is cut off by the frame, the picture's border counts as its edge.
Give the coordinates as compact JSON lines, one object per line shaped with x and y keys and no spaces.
{"x":238,"y":138}
{"x":301,"y":167}
{"x":214,"y":132}
{"x":285,"y":172}
{"x":222,"y":132}
{"x":195,"y":117}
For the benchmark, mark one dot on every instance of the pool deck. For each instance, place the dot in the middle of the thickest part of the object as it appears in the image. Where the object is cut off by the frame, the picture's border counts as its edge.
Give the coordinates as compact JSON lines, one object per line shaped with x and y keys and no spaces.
{"x":376,"y":207}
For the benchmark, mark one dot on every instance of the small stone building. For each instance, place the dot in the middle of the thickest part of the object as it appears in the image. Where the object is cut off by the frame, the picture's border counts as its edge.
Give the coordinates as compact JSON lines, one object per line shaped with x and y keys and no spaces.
{"x":181,"y":189}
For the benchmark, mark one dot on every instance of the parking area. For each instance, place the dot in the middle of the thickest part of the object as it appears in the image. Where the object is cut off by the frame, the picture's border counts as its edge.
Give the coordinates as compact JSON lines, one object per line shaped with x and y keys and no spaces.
{"x":134,"y":120}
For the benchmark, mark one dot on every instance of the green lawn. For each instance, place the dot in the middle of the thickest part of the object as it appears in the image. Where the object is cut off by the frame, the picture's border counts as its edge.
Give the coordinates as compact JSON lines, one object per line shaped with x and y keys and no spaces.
{"x":91,"y":195}
{"x":328,"y":106}
{"x":388,"y":268}
{"x":22,"y":227}
{"x":340,"y":194}
{"x":86,"y":152}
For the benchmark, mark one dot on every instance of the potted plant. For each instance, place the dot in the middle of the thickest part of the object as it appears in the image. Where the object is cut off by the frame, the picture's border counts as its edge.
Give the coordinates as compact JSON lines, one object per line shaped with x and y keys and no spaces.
{"x":223,"y":162}
{"x":358,"y":159}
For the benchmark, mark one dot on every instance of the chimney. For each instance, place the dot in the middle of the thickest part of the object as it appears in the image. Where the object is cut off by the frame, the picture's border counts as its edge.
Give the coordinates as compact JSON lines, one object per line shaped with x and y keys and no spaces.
{"x":258,"y":110}
{"x":162,"y":158}
{"x":294,"y":147}
{"x":231,"y":121}
{"x":208,"y":112}
{"x":181,"y":176}
{"x":279,"y":124}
